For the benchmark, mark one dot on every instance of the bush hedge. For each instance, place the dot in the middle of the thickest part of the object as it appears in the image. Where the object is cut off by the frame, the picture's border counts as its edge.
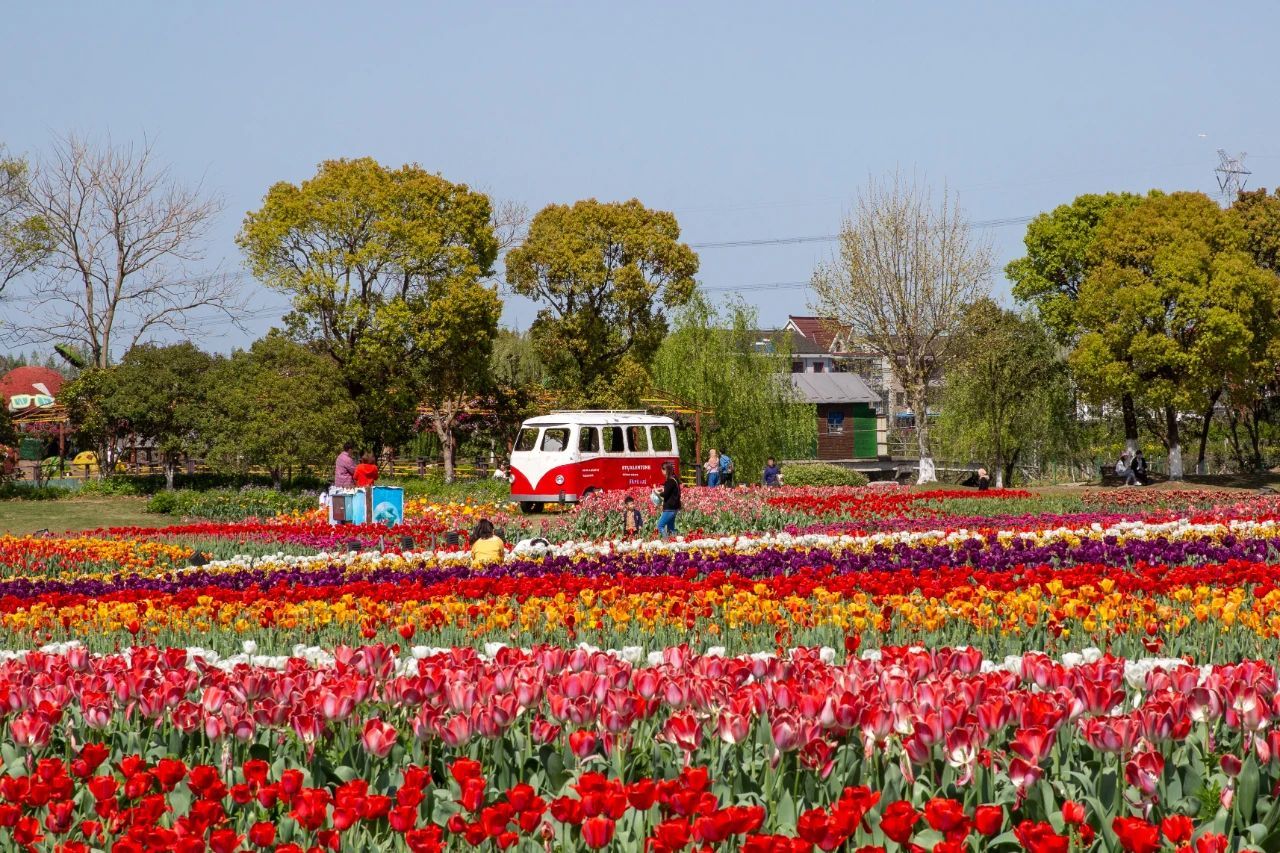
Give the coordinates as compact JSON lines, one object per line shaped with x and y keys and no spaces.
{"x":821,"y":474}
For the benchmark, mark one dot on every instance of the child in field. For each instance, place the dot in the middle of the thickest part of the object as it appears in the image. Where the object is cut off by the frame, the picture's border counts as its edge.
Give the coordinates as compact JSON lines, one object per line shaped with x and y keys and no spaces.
{"x":631,"y":518}
{"x":366,"y":471}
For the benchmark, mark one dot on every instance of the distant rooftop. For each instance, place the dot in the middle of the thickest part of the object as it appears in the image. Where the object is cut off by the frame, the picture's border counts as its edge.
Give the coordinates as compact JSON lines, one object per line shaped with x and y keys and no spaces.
{"x":832,"y":388}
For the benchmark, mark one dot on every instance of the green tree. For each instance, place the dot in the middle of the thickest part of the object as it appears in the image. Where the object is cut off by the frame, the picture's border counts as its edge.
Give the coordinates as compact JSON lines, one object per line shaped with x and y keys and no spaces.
{"x":605,"y":275}
{"x":1171,"y":307}
{"x":277,"y":404}
{"x":158,"y":394}
{"x":1059,"y":259}
{"x":1007,"y":395}
{"x":24,"y":236}
{"x":446,"y":340}
{"x":1251,"y":393}
{"x":711,"y":361}
{"x":358,"y":247}
{"x":93,"y":425}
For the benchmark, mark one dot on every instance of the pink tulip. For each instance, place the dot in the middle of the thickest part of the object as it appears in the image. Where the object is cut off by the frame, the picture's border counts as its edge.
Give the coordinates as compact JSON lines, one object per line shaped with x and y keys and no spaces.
{"x":378,"y":738}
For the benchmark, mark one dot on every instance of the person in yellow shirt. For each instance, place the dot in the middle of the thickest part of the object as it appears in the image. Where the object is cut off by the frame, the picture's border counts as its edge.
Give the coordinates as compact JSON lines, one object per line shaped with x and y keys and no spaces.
{"x":486,"y":546}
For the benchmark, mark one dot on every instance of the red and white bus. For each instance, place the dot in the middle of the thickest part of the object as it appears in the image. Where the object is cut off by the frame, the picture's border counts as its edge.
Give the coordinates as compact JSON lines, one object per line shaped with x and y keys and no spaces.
{"x":568,"y":455}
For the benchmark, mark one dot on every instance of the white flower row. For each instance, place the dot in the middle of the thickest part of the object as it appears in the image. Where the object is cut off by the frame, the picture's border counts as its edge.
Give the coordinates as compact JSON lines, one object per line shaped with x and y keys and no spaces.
{"x":1135,"y":670}
{"x":1178,"y":529}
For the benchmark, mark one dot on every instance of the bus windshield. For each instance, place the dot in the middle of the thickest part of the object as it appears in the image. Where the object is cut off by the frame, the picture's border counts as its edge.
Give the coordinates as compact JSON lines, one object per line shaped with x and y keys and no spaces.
{"x":528,"y":439}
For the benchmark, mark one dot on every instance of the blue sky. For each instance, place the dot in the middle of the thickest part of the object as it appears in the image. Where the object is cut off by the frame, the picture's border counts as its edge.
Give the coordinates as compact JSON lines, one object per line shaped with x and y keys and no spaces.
{"x":748,"y":120}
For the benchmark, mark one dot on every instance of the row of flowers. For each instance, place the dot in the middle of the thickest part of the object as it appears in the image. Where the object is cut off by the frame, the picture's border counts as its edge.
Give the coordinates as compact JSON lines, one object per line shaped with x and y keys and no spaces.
{"x":948,"y":750}
{"x":136,"y":805}
{"x":1121,"y":542}
{"x":1217,"y":611}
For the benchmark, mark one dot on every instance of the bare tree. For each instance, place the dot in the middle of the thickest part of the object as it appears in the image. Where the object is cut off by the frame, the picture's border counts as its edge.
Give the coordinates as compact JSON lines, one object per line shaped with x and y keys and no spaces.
{"x":510,"y":223}
{"x":24,"y":239}
{"x":905,"y":272}
{"x":123,"y":234}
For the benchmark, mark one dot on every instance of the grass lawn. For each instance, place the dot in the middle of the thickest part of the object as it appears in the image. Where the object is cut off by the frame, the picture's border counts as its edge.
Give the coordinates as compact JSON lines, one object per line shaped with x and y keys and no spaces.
{"x":76,"y":514}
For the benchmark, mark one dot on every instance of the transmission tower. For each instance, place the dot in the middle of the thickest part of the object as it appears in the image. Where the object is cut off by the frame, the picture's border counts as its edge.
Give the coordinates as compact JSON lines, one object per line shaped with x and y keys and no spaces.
{"x":1231,"y":175}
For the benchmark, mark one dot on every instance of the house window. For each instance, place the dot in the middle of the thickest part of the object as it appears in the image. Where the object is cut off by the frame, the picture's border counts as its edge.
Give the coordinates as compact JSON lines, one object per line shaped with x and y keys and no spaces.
{"x":835,"y":423}
{"x":797,"y":367}
{"x":817,"y":367}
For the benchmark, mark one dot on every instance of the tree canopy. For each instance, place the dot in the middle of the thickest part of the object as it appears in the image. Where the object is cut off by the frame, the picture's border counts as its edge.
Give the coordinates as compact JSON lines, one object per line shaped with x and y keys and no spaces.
{"x":605,"y":275}
{"x":158,"y":393}
{"x":361,"y":247}
{"x":1171,"y":307}
{"x":1007,"y":394}
{"x":24,"y":236}
{"x":1059,"y":258}
{"x":278,"y":405}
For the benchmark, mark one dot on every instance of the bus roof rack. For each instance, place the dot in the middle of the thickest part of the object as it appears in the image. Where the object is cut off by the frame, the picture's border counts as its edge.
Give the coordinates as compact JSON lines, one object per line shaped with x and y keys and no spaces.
{"x":599,"y":412}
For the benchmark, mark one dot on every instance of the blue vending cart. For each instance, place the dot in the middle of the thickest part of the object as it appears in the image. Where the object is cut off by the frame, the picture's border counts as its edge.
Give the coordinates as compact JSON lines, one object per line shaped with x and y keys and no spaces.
{"x":356,"y":506}
{"x":387,"y":506}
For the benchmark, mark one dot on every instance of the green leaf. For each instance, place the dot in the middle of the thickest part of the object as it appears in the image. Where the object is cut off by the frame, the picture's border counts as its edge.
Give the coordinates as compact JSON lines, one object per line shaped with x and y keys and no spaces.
{"x":1246,"y":800}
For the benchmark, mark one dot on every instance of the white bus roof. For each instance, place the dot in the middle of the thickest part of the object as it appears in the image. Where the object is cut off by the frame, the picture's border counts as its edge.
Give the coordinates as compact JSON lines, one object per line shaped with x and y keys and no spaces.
{"x":604,"y":418}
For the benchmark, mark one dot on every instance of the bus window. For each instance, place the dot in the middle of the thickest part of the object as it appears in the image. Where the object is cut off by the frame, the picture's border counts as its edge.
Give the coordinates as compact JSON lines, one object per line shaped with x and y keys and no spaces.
{"x":589,"y":440}
{"x":555,"y":439}
{"x":638,"y":439}
{"x":528,"y":439}
{"x":661,"y":436}
{"x":613,"y":439}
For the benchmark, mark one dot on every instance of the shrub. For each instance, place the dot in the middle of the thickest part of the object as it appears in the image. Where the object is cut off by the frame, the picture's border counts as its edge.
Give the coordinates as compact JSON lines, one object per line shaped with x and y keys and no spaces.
{"x":821,"y":474}
{"x":24,"y":492}
{"x":229,"y":505}
{"x":116,"y":485}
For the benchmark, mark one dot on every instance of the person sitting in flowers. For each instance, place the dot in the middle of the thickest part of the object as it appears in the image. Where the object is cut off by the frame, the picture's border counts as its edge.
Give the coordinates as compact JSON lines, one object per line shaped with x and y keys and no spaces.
{"x":486,"y":545}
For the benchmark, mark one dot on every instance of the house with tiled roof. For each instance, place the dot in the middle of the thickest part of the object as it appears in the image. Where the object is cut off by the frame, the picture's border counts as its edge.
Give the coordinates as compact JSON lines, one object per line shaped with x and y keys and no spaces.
{"x":831,"y":346}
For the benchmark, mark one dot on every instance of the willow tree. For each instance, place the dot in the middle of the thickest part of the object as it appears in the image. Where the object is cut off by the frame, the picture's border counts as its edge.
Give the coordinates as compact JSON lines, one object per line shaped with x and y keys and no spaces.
{"x":715,"y":360}
{"x":907,"y":269}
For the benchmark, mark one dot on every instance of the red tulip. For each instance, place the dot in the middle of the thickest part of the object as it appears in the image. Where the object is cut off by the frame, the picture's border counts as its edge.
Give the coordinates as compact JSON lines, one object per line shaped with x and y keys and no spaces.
{"x":988,"y":820}
{"x":597,"y":832}
{"x":1136,"y":835}
{"x":262,"y":834}
{"x":582,"y":743}
{"x":898,"y":821}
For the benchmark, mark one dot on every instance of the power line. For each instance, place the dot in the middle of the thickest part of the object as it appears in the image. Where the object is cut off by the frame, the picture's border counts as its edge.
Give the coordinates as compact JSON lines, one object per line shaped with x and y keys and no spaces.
{"x":829,"y":238}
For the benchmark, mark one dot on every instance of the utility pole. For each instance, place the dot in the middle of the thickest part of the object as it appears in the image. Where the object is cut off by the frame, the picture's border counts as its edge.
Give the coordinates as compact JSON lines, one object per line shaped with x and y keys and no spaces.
{"x":1232,"y":176}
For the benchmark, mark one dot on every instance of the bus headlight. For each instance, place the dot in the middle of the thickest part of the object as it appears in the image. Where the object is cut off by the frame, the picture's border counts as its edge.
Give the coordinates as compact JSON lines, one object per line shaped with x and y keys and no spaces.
{"x":559,"y":479}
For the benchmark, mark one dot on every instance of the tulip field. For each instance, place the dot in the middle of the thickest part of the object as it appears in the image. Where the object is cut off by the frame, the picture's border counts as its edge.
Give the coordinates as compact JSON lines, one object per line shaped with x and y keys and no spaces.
{"x":875,"y":669}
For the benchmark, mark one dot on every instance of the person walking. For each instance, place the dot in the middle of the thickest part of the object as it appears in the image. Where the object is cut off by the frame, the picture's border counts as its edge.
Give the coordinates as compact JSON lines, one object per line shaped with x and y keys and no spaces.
{"x":669,"y":493}
{"x":344,"y":468}
{"x":486,"y":545}
{"x":712,"y":468}
{"x":772,"y":473}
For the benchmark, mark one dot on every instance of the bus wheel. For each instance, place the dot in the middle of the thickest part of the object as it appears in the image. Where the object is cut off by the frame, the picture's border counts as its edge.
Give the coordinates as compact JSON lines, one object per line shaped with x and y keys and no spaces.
{"x":531,"y":507}
{"x":590,"y":491}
